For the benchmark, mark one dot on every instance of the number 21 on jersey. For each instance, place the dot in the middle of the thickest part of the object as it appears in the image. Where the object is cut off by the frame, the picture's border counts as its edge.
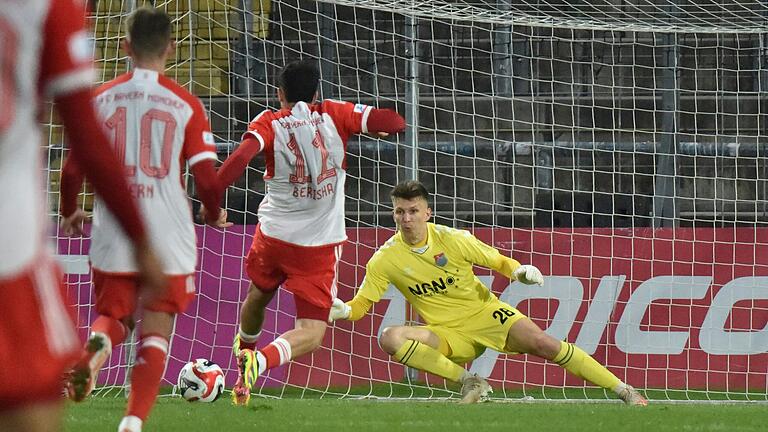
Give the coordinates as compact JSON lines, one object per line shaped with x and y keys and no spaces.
{"x":299,"y":174}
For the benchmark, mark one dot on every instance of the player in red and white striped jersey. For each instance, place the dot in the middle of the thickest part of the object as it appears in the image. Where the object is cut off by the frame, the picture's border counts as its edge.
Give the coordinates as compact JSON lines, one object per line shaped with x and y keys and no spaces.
{"x":156,"y":128}
{"x":44,"y":53}
{"x":301,"y":220}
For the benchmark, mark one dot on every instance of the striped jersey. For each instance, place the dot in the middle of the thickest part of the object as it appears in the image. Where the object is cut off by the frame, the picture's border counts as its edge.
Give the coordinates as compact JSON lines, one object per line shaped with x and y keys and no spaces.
{"x":156,"y":127}
{"x":44,"y":51}
{"x":305,"y":153}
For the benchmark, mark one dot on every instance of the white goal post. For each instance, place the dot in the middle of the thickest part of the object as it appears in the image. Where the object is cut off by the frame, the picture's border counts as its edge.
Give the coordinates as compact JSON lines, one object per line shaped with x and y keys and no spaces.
{"x":619,"y":145}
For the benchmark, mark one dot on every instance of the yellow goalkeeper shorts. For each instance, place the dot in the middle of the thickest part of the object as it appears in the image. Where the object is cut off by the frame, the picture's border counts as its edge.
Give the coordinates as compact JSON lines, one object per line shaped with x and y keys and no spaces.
{"x":487,"y":329}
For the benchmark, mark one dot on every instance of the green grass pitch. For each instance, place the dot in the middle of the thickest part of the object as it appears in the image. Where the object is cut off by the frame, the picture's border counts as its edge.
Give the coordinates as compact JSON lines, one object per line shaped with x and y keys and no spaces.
{"x":333,"y":414}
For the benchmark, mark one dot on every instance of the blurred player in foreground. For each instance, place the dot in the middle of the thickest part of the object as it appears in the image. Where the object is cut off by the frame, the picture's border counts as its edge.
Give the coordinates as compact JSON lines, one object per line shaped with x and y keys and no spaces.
{"x":301,"y":229}
{"x":431,"y":265}
{"x":46,"y":52}
{"x":156,"y":127}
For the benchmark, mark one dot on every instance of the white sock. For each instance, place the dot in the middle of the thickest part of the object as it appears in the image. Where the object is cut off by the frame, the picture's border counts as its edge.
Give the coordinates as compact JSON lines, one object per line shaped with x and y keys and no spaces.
{"x":284,"y":348}
{"x":248,"y":338}
{"x":130,"y":424}
{"x":262,"y":362}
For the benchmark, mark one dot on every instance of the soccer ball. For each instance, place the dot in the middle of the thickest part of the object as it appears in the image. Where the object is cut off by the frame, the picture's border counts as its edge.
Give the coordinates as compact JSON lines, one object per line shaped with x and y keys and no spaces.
{"x":201,"y":380}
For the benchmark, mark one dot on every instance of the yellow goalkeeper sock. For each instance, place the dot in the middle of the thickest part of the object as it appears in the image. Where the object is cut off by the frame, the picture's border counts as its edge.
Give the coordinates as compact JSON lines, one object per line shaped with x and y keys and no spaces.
{"x":423,"y":357}
{"x":581,"y":364}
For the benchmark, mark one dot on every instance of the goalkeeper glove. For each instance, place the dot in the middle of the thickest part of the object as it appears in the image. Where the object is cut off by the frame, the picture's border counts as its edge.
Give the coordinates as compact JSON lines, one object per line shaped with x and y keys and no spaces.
{"x":339,"y":310}
{"x":528,"y":275}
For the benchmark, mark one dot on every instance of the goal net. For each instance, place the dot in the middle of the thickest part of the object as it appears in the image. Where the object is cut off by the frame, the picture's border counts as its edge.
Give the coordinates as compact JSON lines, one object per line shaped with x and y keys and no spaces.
{"x":620,"y":146}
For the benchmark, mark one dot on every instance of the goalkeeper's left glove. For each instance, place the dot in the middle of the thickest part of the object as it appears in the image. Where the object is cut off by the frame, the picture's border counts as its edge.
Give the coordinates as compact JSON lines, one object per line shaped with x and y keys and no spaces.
{"x":528,"y":275}
{"x":339,"y":310}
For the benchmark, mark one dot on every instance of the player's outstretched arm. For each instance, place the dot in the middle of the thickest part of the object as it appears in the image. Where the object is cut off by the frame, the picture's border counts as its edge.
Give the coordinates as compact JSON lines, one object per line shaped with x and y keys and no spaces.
{"x":209,"y":192}
{"x":383,"y":121}
{"x":528,"y":275}
{"x":512,"y":269}
{"x":237,"y":162}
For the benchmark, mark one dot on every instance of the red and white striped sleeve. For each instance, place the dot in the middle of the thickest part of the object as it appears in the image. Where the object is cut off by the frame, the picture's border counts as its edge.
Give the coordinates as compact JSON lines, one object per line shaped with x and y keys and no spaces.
{"x":261,"y":129}
{"x":349,"y":118}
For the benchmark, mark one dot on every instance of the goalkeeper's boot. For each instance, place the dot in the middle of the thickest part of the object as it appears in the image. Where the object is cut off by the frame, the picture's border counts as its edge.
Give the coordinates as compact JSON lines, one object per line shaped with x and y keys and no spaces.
{"x":248,"y":372}
{"x":82,"y":379}
{"x":630,"y":396}
{"x":474,"y":389}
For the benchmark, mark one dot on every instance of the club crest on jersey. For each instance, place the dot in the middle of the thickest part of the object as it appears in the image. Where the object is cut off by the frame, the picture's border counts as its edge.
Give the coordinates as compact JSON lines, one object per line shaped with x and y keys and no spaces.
{"x":441,"y":260}
{"x":208,"y":138}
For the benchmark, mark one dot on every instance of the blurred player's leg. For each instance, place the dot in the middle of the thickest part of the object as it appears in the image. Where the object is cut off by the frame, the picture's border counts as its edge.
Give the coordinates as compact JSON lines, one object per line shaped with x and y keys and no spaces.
{"x":156,"y":328}
{"x":38,"y":337}
{"x":42,"y":417}
{"x":82,"y":379}
{"x":106,"y":333}
{"x":115,"y":303}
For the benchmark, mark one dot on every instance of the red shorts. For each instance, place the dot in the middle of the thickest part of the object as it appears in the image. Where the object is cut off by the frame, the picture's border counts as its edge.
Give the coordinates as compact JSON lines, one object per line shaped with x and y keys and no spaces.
{"x":308,"y":272}
{"x":117,"y":294}
{"x":38,"y":340}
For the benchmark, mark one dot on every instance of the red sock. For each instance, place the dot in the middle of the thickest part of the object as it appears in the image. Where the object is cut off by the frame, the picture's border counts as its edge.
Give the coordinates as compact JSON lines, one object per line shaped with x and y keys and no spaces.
{"x":146,"y":375}
{"x":111,"y":327}
{"x":277,"y":353}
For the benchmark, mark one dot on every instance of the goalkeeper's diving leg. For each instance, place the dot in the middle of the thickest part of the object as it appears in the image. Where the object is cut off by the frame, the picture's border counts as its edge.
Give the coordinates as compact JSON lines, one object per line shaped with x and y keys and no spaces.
{"x":526,"y":337}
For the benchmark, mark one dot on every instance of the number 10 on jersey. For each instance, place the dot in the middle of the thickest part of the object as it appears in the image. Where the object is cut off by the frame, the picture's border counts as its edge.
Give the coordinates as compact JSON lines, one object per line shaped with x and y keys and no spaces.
{"x":117,"y":122}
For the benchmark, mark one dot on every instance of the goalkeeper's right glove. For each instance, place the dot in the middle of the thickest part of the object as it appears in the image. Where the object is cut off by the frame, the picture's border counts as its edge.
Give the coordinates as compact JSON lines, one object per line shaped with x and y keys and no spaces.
{"x":528,"y":275}
{"x":339,"y":310}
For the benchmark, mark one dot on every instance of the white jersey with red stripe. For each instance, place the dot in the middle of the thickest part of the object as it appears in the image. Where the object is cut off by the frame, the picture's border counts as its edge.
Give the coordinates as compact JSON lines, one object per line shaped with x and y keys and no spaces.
{"x":44,"y":51}
{"x":155,"y":127}
{"x":305,"y":153}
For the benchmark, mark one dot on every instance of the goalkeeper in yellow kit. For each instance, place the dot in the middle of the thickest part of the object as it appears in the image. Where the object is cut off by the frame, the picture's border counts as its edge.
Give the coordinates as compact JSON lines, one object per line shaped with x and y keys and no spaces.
{"x":432,"y":266}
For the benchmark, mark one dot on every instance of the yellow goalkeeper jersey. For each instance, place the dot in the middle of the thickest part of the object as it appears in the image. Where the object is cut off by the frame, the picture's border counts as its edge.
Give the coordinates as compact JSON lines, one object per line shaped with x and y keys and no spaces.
{"x":437,"y":278}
